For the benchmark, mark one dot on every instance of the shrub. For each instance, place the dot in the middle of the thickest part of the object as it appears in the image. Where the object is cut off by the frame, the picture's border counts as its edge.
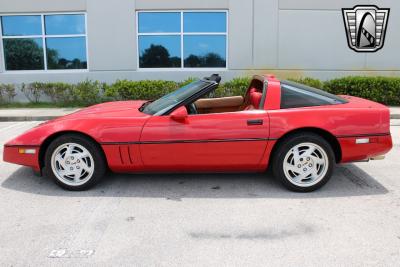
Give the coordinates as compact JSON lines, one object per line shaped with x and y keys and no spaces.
{"x":146,"y":89}
{"x":187,"y":81}
{"x":309,"y":81}
{"x":88,"y":92}
{"x":236,"y":86}
{"x":60,"y":93}
{"x":7,"y":93}
{"x":385,"y":90}
{"x":2,"y":94}
{"x":33,"y":91}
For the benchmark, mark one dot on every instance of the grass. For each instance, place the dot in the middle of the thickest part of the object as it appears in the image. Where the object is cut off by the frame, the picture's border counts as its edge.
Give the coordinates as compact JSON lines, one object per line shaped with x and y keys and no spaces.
{"x":40,"y":105}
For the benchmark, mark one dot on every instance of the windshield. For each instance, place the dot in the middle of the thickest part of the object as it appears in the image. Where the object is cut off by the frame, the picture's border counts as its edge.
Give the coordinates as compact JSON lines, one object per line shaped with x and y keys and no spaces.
{"x":170,"y":100}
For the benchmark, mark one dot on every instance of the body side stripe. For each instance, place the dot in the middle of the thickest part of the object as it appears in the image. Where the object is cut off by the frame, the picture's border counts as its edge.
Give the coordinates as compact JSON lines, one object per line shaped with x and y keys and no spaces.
{"x":189,"y":141}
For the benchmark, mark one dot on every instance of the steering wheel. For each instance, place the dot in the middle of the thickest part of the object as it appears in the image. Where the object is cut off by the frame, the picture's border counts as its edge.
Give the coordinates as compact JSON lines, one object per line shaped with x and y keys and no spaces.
{"x":191,"y":108}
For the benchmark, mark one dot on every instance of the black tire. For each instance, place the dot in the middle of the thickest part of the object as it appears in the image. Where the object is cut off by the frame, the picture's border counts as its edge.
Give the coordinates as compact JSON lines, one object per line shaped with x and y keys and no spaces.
{"x":287,"y":145}
{"x":100,"y":165}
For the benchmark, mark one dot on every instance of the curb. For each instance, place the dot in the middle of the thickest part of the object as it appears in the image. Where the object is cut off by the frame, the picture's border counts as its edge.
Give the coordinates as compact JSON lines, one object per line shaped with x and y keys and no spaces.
{"x":395,"y":116}
{"x":27,"y":118}
{"x":46,"y":118}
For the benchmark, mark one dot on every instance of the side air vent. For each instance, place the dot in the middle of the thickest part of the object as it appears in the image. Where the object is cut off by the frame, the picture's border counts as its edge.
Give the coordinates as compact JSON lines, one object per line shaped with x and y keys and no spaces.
{"x":125,"y":155}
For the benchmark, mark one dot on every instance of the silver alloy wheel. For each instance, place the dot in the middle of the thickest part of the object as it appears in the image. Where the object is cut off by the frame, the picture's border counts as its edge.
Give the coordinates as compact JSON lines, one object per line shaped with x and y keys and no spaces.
{"x":72,"y":164}
{"x":305,"y":164}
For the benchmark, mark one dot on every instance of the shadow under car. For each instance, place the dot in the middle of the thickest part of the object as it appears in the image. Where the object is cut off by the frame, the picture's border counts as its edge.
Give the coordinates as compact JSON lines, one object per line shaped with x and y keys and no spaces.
{"x":347,"y":180}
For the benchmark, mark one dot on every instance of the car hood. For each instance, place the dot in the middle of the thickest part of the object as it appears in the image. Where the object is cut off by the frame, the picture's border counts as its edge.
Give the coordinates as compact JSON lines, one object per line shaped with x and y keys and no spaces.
{"x":109,"y":110}
{"x":107,"y":122}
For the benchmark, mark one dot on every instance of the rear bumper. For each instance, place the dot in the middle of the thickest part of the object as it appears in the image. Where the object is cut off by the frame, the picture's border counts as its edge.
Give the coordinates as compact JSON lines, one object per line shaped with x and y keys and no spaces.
{"x":16,"y":154}
{"x":377,"y":145}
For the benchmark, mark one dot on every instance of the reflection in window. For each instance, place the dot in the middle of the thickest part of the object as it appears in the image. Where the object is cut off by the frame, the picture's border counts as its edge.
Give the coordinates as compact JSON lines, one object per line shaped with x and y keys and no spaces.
{"x":200,"y":37}
{"x":65,"y":24}
{"x":159,"y":22}
{"x":204,"y":51}
{"x":21,"y":25}
{"x":160,"y":51}
{"x":23,"y":54}
{"x":67,"y":50}
{"x":204,"y":21}
{"x":66,"y":53}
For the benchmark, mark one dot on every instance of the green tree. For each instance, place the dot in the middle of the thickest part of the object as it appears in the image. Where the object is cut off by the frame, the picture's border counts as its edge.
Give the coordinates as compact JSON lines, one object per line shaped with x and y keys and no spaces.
{"x":157,"y":56}
{"x":52,"y":59}
{"x":214,"y":60}
{"x":192,"y":61}
{"x":23,"y":54}
{"x":54,"y":62}
{"x":209,"y":60}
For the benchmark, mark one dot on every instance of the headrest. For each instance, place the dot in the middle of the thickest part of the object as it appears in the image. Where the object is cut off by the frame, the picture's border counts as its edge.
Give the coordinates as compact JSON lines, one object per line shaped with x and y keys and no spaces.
{"x":255,"y":99}
{"x":252,"y":90}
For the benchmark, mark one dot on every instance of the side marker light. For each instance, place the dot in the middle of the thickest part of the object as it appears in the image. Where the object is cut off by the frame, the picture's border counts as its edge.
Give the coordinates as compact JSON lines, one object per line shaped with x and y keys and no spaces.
{"x":26,"y":151}
{"x":362,"y":140}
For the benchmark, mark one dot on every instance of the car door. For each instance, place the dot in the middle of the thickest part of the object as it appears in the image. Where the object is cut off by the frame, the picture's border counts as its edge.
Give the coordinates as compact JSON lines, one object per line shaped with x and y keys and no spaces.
{"x":219,"y":141}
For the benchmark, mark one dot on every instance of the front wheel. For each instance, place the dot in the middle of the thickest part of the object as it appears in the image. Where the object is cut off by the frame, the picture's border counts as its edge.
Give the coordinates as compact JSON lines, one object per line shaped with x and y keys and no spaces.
{"x":303,"y":162}
{"x":74,"y":162}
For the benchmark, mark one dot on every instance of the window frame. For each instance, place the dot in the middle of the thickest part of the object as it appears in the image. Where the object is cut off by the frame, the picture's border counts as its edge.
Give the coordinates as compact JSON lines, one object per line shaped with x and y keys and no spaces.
{"x":43,"y":36}
{"x":181,"y":34}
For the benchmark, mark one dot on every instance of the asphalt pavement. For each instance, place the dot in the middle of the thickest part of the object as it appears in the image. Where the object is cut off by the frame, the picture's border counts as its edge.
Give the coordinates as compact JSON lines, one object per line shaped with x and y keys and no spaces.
{"x":201,"y":219}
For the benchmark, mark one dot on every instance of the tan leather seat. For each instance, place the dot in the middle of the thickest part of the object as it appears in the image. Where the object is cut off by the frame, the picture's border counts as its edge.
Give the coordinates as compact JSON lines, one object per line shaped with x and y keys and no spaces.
{"x":232,"y":101}
{"x":222,"y":104}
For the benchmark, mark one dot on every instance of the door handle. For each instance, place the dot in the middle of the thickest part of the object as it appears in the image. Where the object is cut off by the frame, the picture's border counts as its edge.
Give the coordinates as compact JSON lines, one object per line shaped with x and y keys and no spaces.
{"x":255,"y":122}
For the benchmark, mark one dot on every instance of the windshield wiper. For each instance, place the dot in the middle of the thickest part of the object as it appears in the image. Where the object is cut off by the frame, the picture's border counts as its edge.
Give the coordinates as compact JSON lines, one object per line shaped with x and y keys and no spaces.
{"x":144,"y":105}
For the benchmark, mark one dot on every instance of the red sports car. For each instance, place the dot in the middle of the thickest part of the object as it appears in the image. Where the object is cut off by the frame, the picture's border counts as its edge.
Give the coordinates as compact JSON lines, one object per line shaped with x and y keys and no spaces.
{"x":299,"y":131}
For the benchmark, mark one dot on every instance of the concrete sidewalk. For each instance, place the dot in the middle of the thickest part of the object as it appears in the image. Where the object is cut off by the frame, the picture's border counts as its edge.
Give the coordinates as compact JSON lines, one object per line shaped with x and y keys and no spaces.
{"x":33,"y":114}
{"x":43,"y":114}
{"x":395,"y":113}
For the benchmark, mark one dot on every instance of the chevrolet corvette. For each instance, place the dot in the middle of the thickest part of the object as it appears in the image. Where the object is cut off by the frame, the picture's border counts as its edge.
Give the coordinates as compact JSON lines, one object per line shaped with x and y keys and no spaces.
{"x":299,"y":132}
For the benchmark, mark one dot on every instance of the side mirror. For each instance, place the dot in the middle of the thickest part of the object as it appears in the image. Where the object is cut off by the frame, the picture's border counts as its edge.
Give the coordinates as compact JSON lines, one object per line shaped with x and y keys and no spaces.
{"x":180,"y":114}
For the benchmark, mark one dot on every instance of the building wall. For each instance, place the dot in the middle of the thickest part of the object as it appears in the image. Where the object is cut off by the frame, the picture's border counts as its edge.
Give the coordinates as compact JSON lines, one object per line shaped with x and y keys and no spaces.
{"x":287,"y":37}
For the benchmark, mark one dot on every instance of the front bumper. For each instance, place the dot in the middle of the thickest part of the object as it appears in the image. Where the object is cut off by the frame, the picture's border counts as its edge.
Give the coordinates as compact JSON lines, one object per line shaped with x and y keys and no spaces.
{"x":22,"y":155}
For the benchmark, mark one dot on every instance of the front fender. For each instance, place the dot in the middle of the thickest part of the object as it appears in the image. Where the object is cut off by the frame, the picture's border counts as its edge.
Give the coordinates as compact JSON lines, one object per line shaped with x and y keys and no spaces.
{"x":102,"y":130}
{"x":37,"y":135}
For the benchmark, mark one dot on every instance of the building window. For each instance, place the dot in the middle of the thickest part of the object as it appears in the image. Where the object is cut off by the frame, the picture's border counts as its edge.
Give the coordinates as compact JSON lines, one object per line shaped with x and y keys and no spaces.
{"x":44,"y":42}
{"x":184,"y":39}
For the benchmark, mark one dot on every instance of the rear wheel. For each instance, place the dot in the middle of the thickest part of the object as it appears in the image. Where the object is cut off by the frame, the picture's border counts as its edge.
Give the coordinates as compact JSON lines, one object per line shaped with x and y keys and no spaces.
{"x":303,"y":162}
{"x":74,"y":162}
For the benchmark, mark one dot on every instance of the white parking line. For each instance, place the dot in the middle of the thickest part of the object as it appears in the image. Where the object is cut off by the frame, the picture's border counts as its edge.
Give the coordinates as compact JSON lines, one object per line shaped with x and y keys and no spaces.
{"x":15,"y":129}
{"x":14,"y":125}
{"x":394,"y":122}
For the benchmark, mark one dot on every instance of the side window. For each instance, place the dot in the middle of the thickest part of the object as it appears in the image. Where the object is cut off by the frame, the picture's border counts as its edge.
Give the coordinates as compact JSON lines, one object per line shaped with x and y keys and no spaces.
{"x":292,"y":97}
